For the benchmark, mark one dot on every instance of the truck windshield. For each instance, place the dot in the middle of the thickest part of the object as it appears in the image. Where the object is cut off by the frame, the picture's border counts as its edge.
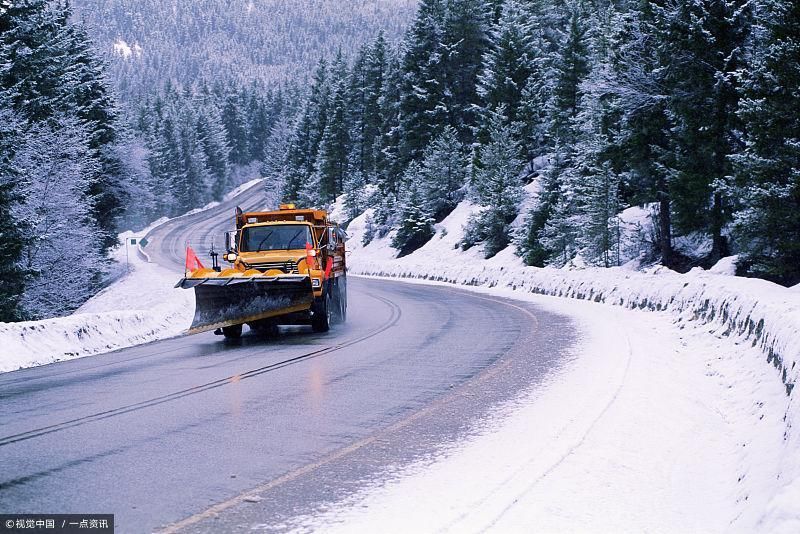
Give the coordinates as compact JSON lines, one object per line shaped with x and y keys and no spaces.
{"x":276,"y":237}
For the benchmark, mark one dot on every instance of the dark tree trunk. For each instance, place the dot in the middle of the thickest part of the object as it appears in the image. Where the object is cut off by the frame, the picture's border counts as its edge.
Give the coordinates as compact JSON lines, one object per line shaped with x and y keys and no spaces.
{"x":665,"y":229}
{"x":720,"y":244}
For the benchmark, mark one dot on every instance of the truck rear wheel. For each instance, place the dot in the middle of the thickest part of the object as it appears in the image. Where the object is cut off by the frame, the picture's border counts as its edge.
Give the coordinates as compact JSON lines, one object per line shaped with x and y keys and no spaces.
{"x":232,"y":332}
{"x":339,"y":302}
{"x":321,"y":319}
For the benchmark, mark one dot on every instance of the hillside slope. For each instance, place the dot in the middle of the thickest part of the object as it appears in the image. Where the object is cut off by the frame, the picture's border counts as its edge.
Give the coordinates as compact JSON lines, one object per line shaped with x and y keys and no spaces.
{"x":267,"y":40}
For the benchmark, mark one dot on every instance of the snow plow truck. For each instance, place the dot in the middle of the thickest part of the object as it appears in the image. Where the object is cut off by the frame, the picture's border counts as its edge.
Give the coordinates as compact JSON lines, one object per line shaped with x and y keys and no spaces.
{"x":287,"y":267}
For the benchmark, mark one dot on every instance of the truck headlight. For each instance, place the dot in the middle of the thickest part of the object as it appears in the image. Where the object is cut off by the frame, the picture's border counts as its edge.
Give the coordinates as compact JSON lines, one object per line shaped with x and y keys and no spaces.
{"x":316,"y":283}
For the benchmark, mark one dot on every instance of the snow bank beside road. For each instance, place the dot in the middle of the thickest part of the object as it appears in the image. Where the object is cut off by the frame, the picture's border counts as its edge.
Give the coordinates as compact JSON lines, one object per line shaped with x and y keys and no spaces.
{"x":750,"y":322}
{"x":143,"y":306}
{"x":139,"y":307}
{"x":748,"y":310}
{"x":648,"y":427}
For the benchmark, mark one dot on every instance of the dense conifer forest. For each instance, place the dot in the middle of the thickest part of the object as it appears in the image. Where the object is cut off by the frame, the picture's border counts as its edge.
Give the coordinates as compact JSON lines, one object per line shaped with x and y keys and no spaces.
{"x":115,"y":113}
{"x":689,"y":109}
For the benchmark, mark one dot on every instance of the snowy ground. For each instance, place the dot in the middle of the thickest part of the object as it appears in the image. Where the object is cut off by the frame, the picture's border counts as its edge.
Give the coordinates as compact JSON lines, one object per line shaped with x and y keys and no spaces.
{"x":675,"y":414}
{"x":650,"y":428}
{"x":140,"y":306}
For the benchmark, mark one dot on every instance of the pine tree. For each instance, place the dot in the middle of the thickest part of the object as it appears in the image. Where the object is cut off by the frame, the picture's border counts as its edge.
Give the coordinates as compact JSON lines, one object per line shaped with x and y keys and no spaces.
{"x":277,"y":149}
{"x":367,"y":86}
{"x":767,"y":178}
{"x":258,"y":125}
{"x":138,"y":186}
{"x":235,"y":122}
{"x":96,"y":108}
{"x":388,"y":163}
{"x":62,"y":249}
{"x":164,"y":166}
{"x":645,"y":138}
{"x":192,"y":186}
{"x":507,"y":64}
{"x":595,"y":183}
{"x":332,"y":158}
{"x":307,"y":136}
{"x":13,"y":228}
{"x":532,"y":112}
{"x":532,"y":244}
{"x":570,"y":68}
{"x":422,"y":92}
{"x":415,"y":221}
{"x":443,"y":174}
{"x":583,"y":220}
{"x":702,"y":46}
{"x":52,"y":70}
{"x":361,"y":154}
{"x":550,"y":106}
{"x":355,"y":201}
{"x":497,"y":188}
{"x":211,"y":135}
{"x":466,"y":40}
{"x":34,"y":43}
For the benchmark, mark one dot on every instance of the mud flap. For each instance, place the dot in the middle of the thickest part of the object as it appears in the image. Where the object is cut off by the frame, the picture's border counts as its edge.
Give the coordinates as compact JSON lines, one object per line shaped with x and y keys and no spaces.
{"x":224,"y":302}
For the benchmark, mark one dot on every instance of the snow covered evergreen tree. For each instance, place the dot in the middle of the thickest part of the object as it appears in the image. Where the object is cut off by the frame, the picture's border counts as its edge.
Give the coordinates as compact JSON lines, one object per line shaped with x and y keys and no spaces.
{"x":422,"y":92}
{"x":334,"y":148}
{"x":497,"y":187}
{"x":13,"y":228}
{"x":54,"y":92}
{"x":303,"y":150}
{"x":767,"y":178}
{"x":366,"y":87}
{"x":551,"y":104}
{"x":235,"y":122}
{"x":702,"y":45}
{"x":570,"y":67}
{"x":356,"y":200}
{"x":388,"y":164}
{"x":216,"y":151}
{"x":466,"y":40}
{"x":415,"y":220}
{"x":638,"y":82}
{"x":443,"y":174}
{"x":507,"y":64}
{"x":61,"y":249}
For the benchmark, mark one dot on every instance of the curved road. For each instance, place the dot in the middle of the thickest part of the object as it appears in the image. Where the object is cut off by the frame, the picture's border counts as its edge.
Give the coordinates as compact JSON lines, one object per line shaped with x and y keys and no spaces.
{"x":180,"y":435}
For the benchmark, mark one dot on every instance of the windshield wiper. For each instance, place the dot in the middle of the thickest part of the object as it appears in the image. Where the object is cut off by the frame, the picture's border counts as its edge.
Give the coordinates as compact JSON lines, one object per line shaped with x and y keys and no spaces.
{"x":295,"y":236}
{"x":262,"y":241}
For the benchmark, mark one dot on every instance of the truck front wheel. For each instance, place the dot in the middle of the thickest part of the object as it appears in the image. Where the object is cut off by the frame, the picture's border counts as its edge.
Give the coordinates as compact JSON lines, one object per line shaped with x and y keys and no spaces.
{"x":232,"y":332}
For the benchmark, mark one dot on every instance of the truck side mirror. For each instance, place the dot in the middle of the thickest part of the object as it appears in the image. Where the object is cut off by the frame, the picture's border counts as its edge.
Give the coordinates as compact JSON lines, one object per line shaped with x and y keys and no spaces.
{"x":230,"y":242}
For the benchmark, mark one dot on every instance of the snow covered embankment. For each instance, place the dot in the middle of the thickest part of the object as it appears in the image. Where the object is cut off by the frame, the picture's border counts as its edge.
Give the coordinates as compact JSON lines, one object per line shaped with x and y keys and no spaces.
{"x":750,"y":311}
{"x":139,"y":307}
{"x":142,"y":306}
{"x":721,"y":327}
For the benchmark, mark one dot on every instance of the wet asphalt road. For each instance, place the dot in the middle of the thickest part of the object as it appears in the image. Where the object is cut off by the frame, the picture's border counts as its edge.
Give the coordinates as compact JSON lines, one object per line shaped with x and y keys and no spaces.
{"x":174,"y":433}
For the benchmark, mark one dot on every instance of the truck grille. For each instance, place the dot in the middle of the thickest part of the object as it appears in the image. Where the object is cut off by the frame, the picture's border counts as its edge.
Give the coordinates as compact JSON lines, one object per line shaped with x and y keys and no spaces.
{"x":288,"y":266}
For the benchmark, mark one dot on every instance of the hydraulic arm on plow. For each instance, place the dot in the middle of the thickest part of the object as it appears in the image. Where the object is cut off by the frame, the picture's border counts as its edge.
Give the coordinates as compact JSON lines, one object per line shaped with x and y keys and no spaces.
{"x":288,"y":267}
